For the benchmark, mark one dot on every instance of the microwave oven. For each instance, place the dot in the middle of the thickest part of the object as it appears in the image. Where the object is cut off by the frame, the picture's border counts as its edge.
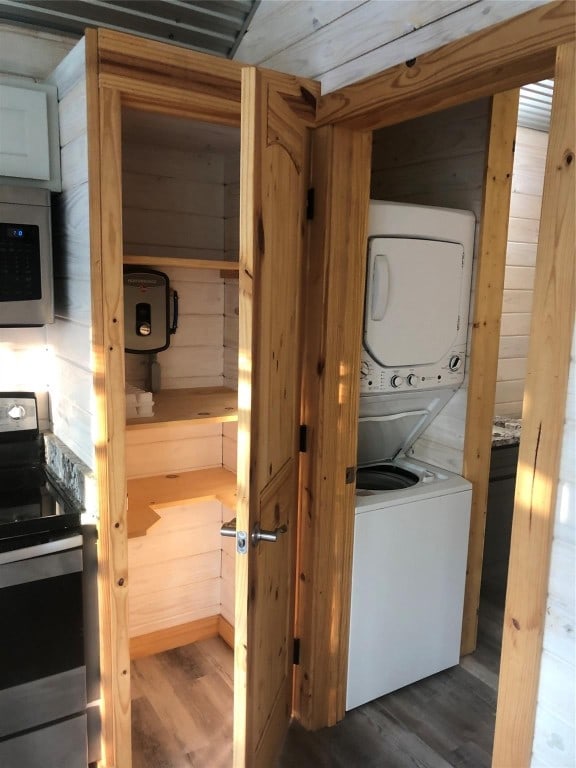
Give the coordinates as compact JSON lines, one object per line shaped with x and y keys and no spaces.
{"x":26,"y":283}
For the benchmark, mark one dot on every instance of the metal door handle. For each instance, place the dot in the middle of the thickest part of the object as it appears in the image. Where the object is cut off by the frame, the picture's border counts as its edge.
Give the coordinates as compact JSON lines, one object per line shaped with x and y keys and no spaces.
{"x":229,"y":528}
{"x":260,"y":535}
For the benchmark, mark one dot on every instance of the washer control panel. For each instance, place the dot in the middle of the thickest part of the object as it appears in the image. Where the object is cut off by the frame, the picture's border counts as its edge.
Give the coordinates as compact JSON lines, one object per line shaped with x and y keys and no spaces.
{"x":376,"y":378}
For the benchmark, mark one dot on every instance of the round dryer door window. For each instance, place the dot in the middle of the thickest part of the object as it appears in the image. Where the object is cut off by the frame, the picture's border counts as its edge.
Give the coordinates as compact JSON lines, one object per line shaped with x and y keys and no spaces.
{"x":385,"y":477}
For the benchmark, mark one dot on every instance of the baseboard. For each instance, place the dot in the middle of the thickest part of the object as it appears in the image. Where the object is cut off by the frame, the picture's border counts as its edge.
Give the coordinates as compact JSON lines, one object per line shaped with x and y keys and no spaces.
{"x":226,"y":631}
{"x":174,"y":637}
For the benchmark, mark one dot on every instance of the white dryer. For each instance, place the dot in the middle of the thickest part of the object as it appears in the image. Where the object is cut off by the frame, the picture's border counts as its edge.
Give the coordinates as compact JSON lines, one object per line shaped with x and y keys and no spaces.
{"x":412,"y":519}
{"x":417,"y":297}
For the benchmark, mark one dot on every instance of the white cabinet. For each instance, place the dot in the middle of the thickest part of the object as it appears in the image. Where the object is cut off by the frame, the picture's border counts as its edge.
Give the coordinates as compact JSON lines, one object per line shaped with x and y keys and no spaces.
{"x":29,"y":140}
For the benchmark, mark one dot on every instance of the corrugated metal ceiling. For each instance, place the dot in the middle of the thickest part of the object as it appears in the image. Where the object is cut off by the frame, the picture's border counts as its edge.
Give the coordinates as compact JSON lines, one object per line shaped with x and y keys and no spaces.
{"x":535,"y":105}
{"x":210,"y":26}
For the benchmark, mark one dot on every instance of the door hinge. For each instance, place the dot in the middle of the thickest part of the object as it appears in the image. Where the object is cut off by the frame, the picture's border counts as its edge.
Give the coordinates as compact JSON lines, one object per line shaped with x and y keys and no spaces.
{"x":350,"y":475}
{"x":303,"y":438}
{"x":310,"y":204}
{"x":296,"y":650}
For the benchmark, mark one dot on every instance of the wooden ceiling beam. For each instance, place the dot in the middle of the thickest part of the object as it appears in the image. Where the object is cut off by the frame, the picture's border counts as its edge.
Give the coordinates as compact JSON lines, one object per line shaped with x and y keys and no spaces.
{"x":517,"y":51}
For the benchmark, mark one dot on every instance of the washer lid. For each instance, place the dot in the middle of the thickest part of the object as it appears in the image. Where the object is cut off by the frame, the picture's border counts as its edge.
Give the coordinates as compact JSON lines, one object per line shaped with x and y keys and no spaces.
{"x":413,"y":291}
{"x":390,"y":423}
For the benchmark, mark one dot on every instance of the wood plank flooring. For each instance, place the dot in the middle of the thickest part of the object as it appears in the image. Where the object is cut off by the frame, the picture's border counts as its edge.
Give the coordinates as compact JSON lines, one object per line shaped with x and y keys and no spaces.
{"x":182,"y":714}
{"x":182,"y":707}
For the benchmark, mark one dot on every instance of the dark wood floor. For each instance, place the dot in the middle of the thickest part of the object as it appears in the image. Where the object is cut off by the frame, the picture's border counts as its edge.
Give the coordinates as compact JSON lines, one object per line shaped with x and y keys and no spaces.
{"x":182,"y":714}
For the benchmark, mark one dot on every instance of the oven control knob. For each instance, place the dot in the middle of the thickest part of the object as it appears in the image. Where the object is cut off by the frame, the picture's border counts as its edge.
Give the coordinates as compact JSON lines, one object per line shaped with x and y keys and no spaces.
{"x":455,"y":362}
{"x":396,"y":381}
{"x":16,"y":412}
{"x":412,"y":380}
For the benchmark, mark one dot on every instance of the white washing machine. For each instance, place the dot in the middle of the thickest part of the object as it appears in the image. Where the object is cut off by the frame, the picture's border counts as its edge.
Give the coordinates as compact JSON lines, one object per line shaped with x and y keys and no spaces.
{"x":412,"y":519}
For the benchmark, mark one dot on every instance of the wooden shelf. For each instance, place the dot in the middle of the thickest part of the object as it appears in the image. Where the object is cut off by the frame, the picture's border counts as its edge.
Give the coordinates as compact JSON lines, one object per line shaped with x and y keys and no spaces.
{"x":172,"y":261}
{"x":148,"y":494}
{"x":211,"y":405}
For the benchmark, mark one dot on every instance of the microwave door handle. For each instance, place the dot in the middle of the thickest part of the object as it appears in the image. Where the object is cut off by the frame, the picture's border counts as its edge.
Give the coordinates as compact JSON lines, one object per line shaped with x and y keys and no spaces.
{"x":380,"y":286}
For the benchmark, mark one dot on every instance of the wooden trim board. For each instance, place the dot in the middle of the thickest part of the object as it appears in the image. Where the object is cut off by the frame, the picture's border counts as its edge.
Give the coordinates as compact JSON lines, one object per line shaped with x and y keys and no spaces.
{"x":544,"y":411}
{"x":330,"y":400}
{"x":517,"y":51}
{"x":174,"y":637}
{"x":226,"y":631}
{"x":489,"y":290}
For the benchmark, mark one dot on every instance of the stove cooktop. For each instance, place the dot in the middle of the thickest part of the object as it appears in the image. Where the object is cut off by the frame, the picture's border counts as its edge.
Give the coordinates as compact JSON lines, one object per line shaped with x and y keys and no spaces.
{"x":31,"y":502}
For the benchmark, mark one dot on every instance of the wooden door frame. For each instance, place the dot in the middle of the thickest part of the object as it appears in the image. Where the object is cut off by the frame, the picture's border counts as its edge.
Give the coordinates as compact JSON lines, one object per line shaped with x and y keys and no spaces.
{"x":481,"y":65}
{"x":123,"y":70}
{"x":127,"y":71}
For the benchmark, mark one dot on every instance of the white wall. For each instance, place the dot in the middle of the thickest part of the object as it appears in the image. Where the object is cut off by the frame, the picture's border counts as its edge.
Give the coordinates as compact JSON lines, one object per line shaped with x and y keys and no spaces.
{"x":341,"y":41}
{"x":31,"y":52}
{"x":25,"y":360}
{"x":555,"y":734}
{"x":525,"y":205}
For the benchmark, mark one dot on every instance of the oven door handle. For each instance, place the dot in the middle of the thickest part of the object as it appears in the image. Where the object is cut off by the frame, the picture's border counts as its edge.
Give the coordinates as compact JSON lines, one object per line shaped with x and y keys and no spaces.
{"x":41,"y":561}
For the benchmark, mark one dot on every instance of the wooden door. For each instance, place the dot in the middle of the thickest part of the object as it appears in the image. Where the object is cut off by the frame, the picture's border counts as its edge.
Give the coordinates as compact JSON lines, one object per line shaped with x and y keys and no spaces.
{"x":274,"y":173}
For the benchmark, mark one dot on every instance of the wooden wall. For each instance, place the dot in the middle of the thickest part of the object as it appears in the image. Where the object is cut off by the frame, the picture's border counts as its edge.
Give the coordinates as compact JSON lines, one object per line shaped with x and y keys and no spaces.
{"x":69,"y":338}
{"x":555,"y":732}
{"x":175,"y":570}
{"x":525,"y":204}
{"x":195,"y":357}
{"x":436,"y":160}
{"x":344,"y":41}
{"x":184,"y":202}
{"x":32,"y":52}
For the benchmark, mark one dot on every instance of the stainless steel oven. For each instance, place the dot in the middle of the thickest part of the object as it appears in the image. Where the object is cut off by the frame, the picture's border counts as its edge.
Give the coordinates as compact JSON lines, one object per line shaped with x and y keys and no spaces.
{"x":42,"y":670}
{"x":43,"y":643}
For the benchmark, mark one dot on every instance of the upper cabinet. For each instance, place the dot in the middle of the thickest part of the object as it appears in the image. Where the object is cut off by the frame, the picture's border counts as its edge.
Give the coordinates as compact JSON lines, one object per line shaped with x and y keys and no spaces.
{"x":29,"y":139}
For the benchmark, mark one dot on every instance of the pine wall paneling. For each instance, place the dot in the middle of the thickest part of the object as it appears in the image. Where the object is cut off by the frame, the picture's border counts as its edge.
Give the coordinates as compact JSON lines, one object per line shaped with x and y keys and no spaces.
{"x":436,"y":160}
{"x":341,"y":42}
{"x":555,"y":733}
{"x":525,"y":204}
{"x":69,"y":338}
{"x":31,"y":53}
{"x":175,"y":568}
{"x":182,"y":201}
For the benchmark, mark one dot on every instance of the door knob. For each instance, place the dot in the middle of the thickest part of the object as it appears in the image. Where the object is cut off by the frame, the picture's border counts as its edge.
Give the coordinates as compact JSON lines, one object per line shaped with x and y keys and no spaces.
{"x":258,"y":534}
{"x":229,"y":528}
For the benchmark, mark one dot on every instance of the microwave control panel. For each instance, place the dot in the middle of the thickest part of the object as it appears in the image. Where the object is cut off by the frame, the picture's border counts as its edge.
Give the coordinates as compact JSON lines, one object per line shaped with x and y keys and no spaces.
{"x":19,"y":262}
{"x":26,"y":282}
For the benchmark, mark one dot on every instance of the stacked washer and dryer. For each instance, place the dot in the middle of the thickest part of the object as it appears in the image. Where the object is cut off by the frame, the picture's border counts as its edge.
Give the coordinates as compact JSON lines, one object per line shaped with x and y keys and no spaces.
{"x":412,"y":519}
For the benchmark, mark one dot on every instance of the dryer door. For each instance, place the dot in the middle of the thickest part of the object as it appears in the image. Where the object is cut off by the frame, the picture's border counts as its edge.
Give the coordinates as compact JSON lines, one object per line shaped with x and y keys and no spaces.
{"x":413,"y":293}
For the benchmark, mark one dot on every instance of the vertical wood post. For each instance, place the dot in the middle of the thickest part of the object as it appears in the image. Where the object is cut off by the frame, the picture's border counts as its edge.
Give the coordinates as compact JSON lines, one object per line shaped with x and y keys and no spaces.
{"x":331,"y":385}
{"x":543,"y":424}
{"x":489,"y":290}
{"x":105,"y":179}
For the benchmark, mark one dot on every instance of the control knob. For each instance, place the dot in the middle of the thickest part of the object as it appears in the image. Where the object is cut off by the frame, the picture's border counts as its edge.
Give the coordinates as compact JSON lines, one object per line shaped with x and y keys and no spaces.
{"x":396,"y":381}
{"x":412,"y":380}
{"x":364,"y":369}
{"x":455,"y":362}
{"x":16,"y":412}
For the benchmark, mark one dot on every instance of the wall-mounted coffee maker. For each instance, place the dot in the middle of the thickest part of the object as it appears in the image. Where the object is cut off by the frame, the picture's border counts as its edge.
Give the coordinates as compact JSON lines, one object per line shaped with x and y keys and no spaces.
{"x":26,"y":285}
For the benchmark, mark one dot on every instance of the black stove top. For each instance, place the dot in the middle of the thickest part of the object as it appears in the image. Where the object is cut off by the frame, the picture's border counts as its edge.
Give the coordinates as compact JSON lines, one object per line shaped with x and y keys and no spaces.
{"x":31,"y":501}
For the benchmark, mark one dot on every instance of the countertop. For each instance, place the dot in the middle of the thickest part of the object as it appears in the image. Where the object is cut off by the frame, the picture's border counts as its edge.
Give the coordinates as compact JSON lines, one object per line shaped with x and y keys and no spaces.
{"x":505,"y":431}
